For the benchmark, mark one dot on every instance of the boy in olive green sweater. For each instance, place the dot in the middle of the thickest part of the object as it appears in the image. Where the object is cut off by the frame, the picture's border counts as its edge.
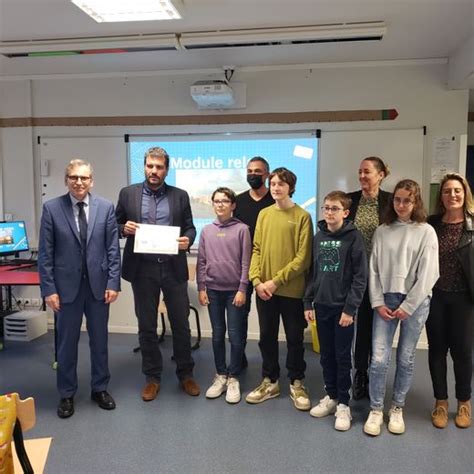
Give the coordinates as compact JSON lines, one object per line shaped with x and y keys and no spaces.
{"x":280,"y":263}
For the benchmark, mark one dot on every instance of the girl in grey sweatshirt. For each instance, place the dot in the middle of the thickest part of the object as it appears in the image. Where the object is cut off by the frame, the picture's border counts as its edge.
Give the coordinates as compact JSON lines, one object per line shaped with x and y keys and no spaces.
{"x":403,"y":270}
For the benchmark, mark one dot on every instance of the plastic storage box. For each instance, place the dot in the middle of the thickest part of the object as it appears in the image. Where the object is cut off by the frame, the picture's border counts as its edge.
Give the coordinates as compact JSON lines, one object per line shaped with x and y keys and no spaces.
{"x":25,"y":325}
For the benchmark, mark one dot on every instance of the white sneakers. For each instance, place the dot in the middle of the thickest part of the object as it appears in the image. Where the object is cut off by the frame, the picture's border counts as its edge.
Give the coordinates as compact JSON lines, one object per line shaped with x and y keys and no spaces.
{"x":396,"y":425}
{"x":222,"y":384}
{"x":326,"y":406}
{"x":233,"y":391}
{"x":267,"y":390}
{"x":218,"y":387}
{"x":299,"y":395}
{"x":264,"y":391}
{"x":343,"y":417}
{"x":374,"y":423}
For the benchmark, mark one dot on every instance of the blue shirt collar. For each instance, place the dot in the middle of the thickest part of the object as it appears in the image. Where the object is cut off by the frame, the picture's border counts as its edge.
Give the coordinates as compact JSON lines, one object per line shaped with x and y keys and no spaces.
{"x":161,"y":191}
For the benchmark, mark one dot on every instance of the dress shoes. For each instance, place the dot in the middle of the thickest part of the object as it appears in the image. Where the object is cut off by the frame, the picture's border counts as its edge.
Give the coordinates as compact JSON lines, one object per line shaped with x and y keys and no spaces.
{"x":463,"y":416}
{"x":439,"y":416}
{"x":150,"y":391}
{"x":190,"y":386}
{"x":66,"y":407}
{"x":360,"y":387}
{"x":103,"y":399}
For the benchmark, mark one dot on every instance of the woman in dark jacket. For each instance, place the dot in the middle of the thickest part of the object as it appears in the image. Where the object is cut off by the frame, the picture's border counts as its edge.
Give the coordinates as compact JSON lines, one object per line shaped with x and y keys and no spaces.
{"x":451,"y":321}
{"x":368,"y":206}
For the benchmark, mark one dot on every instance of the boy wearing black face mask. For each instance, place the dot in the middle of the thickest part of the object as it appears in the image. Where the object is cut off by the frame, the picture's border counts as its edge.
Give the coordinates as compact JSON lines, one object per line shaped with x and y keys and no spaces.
{"x":248,"y":206}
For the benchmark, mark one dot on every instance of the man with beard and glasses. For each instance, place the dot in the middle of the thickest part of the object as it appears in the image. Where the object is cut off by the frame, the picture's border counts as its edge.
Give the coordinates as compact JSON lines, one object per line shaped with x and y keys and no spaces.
{"x":155,"y":202}
{"x":248,"y":206}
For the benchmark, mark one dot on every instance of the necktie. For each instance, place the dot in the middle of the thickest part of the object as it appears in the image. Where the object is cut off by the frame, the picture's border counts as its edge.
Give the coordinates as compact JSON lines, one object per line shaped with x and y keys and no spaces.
{"x":83,"y":235}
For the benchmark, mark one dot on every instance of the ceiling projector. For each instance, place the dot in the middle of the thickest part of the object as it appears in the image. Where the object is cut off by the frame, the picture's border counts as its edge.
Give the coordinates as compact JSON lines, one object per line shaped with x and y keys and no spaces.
{"x":212,"y":94}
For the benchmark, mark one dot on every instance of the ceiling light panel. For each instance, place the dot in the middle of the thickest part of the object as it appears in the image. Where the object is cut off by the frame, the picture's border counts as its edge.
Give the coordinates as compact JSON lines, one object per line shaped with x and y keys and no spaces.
{"x":129,"y":10}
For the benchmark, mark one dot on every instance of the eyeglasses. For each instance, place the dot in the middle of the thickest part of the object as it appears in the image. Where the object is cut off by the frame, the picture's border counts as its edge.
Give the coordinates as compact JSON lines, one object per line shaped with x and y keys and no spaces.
{"x":403,"y":201}
{"x":331,"y":209}
{"x":224,"y":202}
{"x":75,"y":178}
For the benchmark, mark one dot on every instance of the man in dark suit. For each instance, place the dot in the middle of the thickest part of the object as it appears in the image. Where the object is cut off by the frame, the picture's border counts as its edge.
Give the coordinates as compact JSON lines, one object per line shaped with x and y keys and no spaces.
{"x":155,"y":202}
{"x":79,"y":267}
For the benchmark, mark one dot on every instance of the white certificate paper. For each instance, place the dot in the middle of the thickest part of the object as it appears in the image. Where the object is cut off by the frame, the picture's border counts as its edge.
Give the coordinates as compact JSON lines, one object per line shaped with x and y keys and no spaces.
{"x":156,"y":239}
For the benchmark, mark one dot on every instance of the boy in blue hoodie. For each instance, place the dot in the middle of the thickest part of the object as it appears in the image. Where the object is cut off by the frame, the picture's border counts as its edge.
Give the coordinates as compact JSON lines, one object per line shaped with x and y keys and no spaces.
{"x":222,"y":276}
{"x":335,"y":292}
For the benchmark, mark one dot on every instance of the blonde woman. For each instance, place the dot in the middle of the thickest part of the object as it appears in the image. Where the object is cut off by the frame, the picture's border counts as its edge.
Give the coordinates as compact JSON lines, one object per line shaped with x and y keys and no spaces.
{"x":450,"y":324}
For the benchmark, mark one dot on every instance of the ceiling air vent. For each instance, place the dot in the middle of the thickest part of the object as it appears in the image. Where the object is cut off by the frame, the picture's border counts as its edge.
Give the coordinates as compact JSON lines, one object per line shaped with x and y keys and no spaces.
{"x":255,"y":37}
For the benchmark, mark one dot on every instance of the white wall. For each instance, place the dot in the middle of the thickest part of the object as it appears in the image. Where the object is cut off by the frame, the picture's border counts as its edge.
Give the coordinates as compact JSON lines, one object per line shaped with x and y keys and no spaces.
{"x":418,"y":92}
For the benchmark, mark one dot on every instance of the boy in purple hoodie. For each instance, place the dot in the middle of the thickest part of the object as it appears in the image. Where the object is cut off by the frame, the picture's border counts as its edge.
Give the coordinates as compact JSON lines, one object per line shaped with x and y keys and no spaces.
{"x":222,"y":277}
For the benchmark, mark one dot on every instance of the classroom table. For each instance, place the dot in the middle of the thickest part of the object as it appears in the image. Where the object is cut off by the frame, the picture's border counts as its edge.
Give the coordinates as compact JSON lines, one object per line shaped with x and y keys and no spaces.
{"x":23,"y":274}
{"x":15,"y":275}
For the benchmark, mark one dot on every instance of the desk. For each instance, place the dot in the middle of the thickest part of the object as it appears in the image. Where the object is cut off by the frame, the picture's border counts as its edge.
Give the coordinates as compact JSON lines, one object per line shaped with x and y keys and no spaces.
{"x":10,"y":276}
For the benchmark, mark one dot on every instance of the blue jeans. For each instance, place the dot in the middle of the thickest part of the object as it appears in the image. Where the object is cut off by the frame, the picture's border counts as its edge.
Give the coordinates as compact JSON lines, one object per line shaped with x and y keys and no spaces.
{"x":382,"y":339}
{"x":219,"y":302}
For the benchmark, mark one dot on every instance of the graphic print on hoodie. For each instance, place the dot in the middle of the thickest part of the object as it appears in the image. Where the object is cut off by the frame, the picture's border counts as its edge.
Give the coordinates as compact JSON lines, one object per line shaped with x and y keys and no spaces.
{"x":329,"y":258}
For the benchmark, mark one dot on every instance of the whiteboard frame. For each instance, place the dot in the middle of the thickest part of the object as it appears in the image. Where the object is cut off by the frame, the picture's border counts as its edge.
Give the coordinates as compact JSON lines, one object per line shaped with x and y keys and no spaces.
{"x":355,"y":157}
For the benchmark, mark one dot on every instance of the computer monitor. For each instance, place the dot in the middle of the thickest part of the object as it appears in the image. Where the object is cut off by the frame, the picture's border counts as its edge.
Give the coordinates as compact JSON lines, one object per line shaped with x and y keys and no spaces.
{"x":13,"y":238}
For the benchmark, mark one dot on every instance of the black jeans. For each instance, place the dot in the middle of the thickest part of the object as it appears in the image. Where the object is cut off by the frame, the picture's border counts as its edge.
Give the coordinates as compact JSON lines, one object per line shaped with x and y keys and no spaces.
{"x":336,"y":344}
{"x":363,"y":337}
{"x":292,"y":314}
{"x":153,"y":278}
{"x":450,"y":327}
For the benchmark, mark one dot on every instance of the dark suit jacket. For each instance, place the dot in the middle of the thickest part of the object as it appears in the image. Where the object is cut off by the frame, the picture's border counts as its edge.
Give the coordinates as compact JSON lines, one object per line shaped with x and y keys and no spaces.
{"x":129,"y":208}
{"x":59,"y":259}
{"x":383,"y":199}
